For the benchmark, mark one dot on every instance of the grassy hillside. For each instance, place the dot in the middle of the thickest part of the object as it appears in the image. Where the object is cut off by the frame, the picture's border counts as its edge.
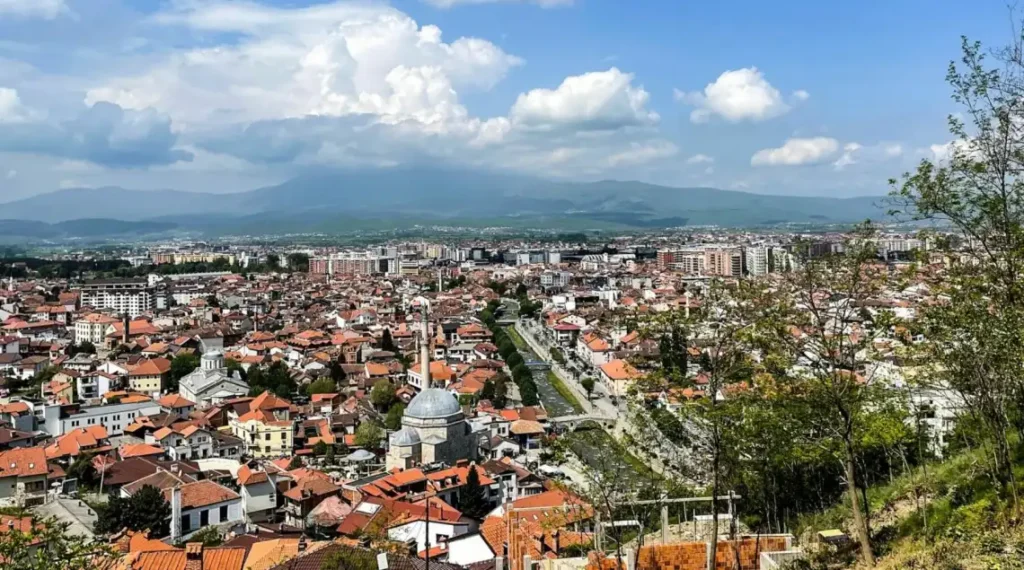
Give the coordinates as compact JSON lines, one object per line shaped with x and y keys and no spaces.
{"x":948,"y":515}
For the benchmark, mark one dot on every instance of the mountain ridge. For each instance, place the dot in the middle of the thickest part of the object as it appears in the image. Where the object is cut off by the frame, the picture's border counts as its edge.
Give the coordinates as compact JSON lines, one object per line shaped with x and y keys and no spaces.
{"x":435,"y":193}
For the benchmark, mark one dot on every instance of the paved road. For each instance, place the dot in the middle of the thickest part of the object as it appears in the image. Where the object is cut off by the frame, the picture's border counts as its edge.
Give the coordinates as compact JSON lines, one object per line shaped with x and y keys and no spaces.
{"x":661,"y":453}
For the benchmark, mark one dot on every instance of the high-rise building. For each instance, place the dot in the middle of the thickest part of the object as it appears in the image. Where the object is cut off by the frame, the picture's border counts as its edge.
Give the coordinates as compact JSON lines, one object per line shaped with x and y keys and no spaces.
{"x":724,"y":261}
{"x":126,"y":296}
{"x":757,"y":259}
{"x":690,"y":261}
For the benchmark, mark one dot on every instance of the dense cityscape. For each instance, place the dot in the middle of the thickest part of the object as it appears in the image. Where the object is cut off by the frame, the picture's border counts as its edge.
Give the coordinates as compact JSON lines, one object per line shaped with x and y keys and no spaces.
{"x":313,"y":285}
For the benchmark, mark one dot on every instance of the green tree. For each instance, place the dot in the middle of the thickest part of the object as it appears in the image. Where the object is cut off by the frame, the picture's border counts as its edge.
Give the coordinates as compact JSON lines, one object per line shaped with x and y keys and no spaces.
{"x":321,"y":386}
{"x":369,"y":435}
{"x":393,"y":420}
{"x":233,"y":366}
{"x":975,"y":337}
{"x":83,"y":470}
{"x":146,"y":509}
{"x":298,"y":262}
{"x":320,"y":449}
{"x":295,"y":463}
{"x":181,"y":365}
{"x":835,"y":389}
{"x":338,"y":374}
{"x":515,"y":359}
{"x":387,"y":343}
{"x":588,"y":384}
{"x":49,"y":546}
{"x":85,"y":347}
{"x":274,"y":262}
{"x":382,"y":395}
{"x":209,"y":537}
{"x":473,"y":497}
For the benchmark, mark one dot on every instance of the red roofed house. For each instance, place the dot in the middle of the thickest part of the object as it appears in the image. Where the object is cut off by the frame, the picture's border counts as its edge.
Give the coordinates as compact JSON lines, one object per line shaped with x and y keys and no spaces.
{"x":23,"y":474}
{"x":204,"y":503}
{"x":148,"y":376}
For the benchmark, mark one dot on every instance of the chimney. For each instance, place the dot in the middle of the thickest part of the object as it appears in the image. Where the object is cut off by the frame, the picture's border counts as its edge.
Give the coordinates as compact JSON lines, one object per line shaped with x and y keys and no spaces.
{"x":124,"y":333}
{"x":194,"y":556}
{"x":301,"y":547}
{"x":176,"y":514}
{"x":499,"y":563}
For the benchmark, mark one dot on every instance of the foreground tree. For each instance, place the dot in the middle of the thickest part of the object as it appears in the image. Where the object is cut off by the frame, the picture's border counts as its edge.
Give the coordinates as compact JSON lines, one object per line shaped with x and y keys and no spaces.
{"x":827,"y":341}
{"x":976,"y":338}
{"x":473,"y":497}
{"x":46,"y":545}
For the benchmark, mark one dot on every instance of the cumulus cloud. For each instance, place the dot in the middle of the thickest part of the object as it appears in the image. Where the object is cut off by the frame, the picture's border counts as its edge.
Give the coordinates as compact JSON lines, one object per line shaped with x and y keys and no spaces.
{"x":597,"y":100}
{"x":364,"y":84}
{"x":332,"y":59}
{"x":46,"y":9}
{"x":738,"y":95}
{"x":797,"y":151}
{"x":103,"y":134}
{"x":847,"y":158}
{"x":11,"y":108}
{"x":700,"y":159}
{"x":541,"y":3}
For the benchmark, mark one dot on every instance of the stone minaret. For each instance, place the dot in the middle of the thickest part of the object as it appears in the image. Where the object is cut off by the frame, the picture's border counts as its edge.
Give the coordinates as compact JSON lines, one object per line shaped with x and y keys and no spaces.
{"x":425,"y":350}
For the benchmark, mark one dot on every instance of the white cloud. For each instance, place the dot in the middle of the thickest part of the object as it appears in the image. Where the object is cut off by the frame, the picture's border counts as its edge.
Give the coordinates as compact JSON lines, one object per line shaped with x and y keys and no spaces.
{"x":700,"y":159}
{"x":12,"y":110}
{"x":737,"y":95}
{"x":333,"y":59}
{"x":541,"y":3}
{"x":847,"y":158}
{"x":364,"y":84}
{"x":642,"y":153}
{"x":801,"y":95}
{"x":46,"y":9}
{"x":944,"y":152}
{"x":597,"y":100}
{"x":854,"y":153}
{"x":796,"y":151}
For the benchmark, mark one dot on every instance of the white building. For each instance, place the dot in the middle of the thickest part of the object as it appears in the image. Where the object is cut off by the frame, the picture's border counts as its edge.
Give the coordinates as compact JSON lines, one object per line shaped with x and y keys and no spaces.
{"x":131,"y":296}
{"x":113,"y":417}
{"x":211,"y":383}
{"x":757,"y":260}
{"x":197,"y":505}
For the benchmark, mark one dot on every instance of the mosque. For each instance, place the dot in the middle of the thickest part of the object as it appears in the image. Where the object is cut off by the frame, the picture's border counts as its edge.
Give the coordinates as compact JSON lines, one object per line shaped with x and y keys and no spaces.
{"x":434,"y":428}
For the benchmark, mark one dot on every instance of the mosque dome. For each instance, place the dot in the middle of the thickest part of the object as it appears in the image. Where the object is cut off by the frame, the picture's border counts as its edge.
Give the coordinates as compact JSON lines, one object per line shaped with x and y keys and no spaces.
{"x":433,"y":403}
{"x":405,"y":436}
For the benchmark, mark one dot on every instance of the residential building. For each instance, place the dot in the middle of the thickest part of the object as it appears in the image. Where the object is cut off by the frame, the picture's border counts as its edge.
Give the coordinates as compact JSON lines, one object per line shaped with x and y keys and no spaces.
{"x":23,"y":477}
{"x":93,"y":328}
{"x":200,"y":504}
{"x":124,"y":296}
{"x":148,"y":376}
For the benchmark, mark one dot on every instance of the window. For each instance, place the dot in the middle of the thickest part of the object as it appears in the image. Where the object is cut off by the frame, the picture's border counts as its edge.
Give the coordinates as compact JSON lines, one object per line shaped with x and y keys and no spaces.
{"x":204,"y":518}
{"x":266,"y":436}
{"x":186,"y":523}
{"x":266,"y":449}
{"x":223,"y":513}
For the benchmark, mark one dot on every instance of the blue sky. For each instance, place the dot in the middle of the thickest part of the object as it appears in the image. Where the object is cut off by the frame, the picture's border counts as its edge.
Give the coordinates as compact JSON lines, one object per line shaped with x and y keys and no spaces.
{"x":791,"y":97}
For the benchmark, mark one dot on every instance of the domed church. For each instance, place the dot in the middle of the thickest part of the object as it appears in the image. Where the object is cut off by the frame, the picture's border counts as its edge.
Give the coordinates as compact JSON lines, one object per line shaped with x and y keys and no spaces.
{"x":434,"y":428}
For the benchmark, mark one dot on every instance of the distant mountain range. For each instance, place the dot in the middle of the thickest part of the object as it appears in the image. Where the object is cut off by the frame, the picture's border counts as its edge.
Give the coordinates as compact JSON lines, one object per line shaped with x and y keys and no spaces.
{"x":339,"y":200}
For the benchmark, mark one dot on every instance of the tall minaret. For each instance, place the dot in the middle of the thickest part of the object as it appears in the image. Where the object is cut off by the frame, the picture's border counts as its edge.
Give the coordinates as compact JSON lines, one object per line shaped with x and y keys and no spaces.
{"x":425,"y":349}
